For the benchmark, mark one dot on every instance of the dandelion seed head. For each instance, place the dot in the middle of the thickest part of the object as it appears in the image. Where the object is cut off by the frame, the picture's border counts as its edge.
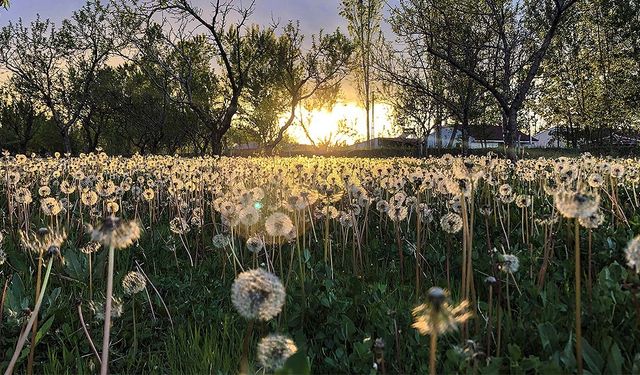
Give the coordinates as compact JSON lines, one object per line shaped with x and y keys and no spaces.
{"x":257,"y":294}
{"x":451,"y":223}
{"x":133,"y":283}
{"x":632,"y":253}
{"x":274,"y":350}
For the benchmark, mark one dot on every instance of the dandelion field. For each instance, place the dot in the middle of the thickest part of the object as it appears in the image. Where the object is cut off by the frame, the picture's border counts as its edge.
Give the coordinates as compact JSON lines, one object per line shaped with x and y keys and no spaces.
{"x":319,"y":265}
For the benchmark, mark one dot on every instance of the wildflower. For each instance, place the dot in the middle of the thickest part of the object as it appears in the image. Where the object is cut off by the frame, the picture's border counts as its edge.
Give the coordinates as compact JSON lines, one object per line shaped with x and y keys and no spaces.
{"x":382,"y":206}
{"x":148,"y":194}
{"x":44,"y":191}
{"x":278,"y":224}
{"x":632,"y":253}
{"x":257,"y":294}
{"x":133,"y":282}
{"x":67,"y":188}
{"x":23,"y":195}
{"x":274,"y":350}
{"x":439,"y":315}
{"x":509,"y":263}
{"x":595,"y":180}
{"x":114,"y":232}
{"x":451,"y":223}
{"x":573,"y":204}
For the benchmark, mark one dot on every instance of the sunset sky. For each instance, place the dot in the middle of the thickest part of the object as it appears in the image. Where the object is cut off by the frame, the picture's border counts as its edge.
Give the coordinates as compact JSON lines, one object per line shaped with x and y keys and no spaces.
{"x":313,"y":15}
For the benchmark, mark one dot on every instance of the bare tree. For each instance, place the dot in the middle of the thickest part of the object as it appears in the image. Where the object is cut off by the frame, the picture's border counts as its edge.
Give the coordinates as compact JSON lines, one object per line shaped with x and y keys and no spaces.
{"x":232,"y":50}
{"x":510,"y":37}
{"x":58,"y":66}
{"x":316,"y":72}
{"x":363,"y":17}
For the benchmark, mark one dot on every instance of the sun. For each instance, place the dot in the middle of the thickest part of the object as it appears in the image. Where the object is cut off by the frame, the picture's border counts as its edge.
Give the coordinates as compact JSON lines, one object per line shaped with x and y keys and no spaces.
{"x":344,"y":123}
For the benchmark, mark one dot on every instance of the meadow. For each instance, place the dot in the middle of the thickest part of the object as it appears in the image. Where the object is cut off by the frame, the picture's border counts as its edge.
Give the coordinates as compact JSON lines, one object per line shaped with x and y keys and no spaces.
{"x":161,"y":264}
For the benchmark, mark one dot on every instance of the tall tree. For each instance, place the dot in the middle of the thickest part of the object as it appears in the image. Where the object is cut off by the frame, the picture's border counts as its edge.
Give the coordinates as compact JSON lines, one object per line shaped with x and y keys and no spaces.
{"x":364,"y":17}
{"x":58,"y":66}
{"x":511,"y":38}
{"x":20,"y":119}
{"x":234,"y":51}
{"x":315,"y":73}
{"x":589,"y":90}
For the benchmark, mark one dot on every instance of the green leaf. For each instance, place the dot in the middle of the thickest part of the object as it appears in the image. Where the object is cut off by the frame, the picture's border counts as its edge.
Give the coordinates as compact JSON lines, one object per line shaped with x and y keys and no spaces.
{"x":548,"y":335}
{"x":297,"y":364}
{"x":614,"y":358}
{"x":44,"y":329}
{"x":592,"y":358}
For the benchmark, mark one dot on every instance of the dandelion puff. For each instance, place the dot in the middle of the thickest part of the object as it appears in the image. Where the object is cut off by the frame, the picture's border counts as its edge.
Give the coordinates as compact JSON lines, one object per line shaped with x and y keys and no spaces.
{"x":133,"y":283}
{"x":257,"y":294}
{"x":439,"y":316}
{"x":278,"y":224}
{"x":255,"y":244}
{"x":398,"y":213}
{"x":632,"y":253}
{"x":117,"y":233}
{"x":97,"y":308}
{"x":509,"y":263}
{"x":91,"y":247}
{"x":592,"y":221}
{"x":274,"y":350}
{"x":575,"y":205}
{"x":249,"y":216}
{"x":179,"y":225}
{"x":220,"y":241}
{"x":382,"y":206}
{"x":42,"y":240}
{"x":451,"y":223}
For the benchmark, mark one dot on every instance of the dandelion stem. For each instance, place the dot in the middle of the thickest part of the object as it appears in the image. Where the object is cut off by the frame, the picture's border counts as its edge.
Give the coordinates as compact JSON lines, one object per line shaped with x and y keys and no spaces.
{"x":34,"y":314}
{"x":578,"y":302}
{"x":432,"y":353}
{"x":104,"y":367}
{"x":86,"y":333}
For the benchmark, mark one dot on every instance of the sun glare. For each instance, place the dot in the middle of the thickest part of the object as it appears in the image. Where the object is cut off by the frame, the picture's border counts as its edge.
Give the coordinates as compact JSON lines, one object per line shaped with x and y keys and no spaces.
{"x":344,"y":123}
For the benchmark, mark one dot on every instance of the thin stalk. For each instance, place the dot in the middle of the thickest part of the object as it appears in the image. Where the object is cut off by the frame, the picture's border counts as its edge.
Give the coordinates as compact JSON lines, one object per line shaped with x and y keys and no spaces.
{"x":578,"y":302}
{"x":104,"y":367}
{"x":34,"y":314}
{"x":432,"y":353}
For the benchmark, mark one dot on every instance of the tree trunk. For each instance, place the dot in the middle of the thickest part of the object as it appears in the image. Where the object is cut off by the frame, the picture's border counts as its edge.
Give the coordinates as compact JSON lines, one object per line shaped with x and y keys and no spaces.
{"x":292,"y":116}
{"x":225,"y":124}
{"x":510,"y":127}
{"x":66,"y":138}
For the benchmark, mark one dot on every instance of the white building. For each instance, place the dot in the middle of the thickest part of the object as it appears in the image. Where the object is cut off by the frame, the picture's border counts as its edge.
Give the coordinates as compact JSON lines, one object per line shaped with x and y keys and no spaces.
{"x":550,"y":139}
{"x":479,"y":137}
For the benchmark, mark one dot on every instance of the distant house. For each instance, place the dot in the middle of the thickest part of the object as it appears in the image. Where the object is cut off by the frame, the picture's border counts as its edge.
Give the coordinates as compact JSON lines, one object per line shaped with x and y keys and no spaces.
{"x":550,"y":138}
{"x":479,"y":137}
